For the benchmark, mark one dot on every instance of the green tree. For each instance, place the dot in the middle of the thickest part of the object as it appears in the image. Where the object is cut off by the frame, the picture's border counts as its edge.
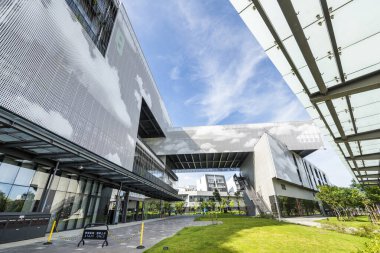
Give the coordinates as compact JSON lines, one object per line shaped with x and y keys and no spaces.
{"x":180,"y":207}
{"x":211,"y":204}
{"x":203,"y":206}
{"x":237,"y":195}
{"x":167,"y":208}
{"x":231,"y":204}
{"x":217,"y":197}
{"x":223,"y":205}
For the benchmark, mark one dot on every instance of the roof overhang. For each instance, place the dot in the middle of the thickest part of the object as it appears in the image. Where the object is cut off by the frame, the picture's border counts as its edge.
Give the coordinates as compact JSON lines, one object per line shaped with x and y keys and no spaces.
{"x":25,"y":140}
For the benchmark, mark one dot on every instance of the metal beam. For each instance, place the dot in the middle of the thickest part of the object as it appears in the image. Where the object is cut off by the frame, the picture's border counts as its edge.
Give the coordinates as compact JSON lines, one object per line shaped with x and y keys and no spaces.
{"x":371,"y":181}
{"x":369,"y":176}
{"x":56,"y":155}
{"x":364,"y":83}
{"x":15,"y":144}
{"x":76,"y":164}
{"x":297,"y":30}
{"x":370,"y":135}
{"x":370,"y":168}
{"x":234,"y":160}
{"x":373,"y":156}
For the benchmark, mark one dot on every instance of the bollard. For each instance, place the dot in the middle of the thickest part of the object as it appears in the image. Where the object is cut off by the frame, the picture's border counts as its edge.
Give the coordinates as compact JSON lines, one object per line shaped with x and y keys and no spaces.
{"x":141,"y":237}
{"x":51,"y":234}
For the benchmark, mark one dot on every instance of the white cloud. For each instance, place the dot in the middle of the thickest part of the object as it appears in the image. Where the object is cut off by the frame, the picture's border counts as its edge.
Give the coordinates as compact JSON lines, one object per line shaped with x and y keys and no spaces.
{"x":113,"y":157}
{"x":226,"y":66}
{"x":143,"y":92}
{"x":50,"y":119}
{"x":174,"y":73}
{"x":251,"y":143}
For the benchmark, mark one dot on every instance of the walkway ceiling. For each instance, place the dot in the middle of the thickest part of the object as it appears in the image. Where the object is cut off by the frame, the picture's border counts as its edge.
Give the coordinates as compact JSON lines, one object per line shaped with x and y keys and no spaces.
{"x":228,"y":161}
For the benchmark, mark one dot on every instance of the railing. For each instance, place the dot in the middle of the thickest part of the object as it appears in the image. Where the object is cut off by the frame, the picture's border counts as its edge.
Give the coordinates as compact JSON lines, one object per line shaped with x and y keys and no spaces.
{"x":250,"y":195}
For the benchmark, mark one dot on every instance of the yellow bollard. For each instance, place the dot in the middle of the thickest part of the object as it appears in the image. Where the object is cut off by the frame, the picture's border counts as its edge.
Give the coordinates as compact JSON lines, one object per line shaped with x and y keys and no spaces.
{"x":51,"y":234}
{"x":141,"y":237}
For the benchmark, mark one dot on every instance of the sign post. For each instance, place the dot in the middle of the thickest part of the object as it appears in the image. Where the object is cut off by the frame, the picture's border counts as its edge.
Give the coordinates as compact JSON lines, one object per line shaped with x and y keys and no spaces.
{"x":95,"y":234}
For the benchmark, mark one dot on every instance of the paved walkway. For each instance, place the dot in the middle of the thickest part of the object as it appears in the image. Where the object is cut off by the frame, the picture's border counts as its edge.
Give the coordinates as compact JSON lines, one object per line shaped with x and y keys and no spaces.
{"x":306,"y":220}
{"x":122,"y":237}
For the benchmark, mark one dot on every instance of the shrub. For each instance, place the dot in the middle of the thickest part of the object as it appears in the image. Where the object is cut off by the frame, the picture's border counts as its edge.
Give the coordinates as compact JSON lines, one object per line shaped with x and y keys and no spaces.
{"x":373,"y":246}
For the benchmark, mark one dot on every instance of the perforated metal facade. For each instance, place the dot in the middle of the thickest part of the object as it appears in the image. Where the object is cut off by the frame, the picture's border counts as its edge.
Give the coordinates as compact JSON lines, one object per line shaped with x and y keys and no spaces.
{"x":53,"y":75}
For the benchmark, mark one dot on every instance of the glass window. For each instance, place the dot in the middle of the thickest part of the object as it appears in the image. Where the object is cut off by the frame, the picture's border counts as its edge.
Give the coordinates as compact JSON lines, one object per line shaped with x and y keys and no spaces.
{"x":4,"y":191}
{"x":63,"y":183}
{"x":8,"y":171}
{"x":29,"y":200}
{"x":94,"y":188}
{"x":73,"y":185}
{"x":88,"y":187}
{"x":54,"y":184}
{"x":81,"y":185}
{"x":16,"y":198}
{"x":24,"y":176}
{"x":40,"y":178}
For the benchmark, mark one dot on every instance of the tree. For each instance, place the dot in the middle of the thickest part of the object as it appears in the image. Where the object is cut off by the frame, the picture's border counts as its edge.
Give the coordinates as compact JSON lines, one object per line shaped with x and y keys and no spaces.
{"x":211,"y":204}
{"x":345,"y":201}
{"x":223,"y":205}
{"x":196,"y":206}
{"x":203,"y":206}
{"x":180,"y":207}
{"x":167,"y":208}
{"x":231,"y":204}
{"x":237,"y":195}
{"x":217,"y":196}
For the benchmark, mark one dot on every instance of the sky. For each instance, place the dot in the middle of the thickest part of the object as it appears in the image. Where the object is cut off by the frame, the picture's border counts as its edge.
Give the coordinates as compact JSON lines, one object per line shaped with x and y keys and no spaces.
{"x":210,"y":70}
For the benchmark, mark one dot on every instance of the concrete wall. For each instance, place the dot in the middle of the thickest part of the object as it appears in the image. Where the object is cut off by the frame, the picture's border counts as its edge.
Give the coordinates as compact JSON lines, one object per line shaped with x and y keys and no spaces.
{"x":292,"y":190}
{"x":264,"y":169}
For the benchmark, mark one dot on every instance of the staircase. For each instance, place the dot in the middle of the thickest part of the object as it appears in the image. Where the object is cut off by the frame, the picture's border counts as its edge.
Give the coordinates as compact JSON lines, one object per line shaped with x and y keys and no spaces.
{"x":250,"y":196}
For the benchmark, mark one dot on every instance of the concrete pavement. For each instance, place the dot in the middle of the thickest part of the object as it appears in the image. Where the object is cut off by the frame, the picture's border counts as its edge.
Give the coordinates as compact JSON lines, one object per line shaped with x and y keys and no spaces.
{"x":122,"y":237}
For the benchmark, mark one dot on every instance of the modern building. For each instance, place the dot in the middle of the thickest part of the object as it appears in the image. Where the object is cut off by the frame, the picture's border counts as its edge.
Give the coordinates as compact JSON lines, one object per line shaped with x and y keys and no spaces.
{"x":326,"y":52}
{"x":83,"y":128}
{"x":269,"y":156}
{"x":204,"y":192}
{"x":211,"y":182}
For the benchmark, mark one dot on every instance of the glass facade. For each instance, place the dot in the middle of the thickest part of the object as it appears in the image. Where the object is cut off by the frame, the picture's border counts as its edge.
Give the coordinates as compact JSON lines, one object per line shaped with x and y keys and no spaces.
{"x":294,"y":206}
{"x":73,"y":201}
{"x":21,"y":185}
{"x":76,"y":201}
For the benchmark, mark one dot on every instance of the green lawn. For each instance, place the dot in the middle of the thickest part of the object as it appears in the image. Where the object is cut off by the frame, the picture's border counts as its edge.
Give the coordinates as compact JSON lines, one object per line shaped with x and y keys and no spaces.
{"x":246,"y":234}
{"x":359,"y":222}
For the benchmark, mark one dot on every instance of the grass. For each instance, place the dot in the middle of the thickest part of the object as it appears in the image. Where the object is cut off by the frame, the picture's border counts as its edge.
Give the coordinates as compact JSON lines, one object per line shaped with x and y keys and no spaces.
{"x":358,"y":222}
{"x":247,"y":234}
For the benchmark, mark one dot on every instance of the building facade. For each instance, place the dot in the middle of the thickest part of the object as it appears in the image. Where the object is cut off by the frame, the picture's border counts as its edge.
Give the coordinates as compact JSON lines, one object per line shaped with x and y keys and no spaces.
{"x":83,"y":128}
{"x":211,"y":182}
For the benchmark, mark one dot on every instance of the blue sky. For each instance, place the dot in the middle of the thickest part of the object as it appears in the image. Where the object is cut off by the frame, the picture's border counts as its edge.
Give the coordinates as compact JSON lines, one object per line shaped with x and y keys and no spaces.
{"x":211,"y":70}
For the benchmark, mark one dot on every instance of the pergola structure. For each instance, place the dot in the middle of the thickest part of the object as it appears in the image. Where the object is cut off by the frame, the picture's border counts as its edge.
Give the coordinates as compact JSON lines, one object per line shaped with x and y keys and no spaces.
{"x":327,"y":53}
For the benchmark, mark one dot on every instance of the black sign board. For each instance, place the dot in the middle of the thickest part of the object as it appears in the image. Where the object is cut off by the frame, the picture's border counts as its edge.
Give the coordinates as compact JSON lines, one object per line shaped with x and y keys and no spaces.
{"x":89,"y":233}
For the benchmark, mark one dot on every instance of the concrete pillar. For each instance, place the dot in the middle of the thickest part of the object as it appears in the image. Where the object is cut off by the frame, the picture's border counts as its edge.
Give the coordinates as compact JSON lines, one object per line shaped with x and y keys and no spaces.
{"x":137,"y":209}
{"x":125,"y":207}
{"x":161,"y":208}
{"x":117,"y":207}
{"x":143,"y":210}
